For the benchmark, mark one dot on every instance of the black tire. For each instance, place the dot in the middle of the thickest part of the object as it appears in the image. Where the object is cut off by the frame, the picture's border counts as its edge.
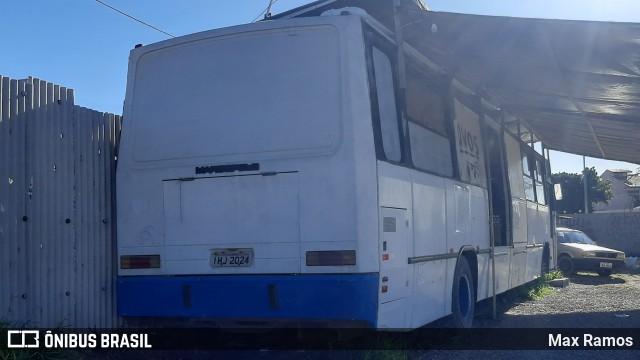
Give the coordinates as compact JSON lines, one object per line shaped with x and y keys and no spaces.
{"x":604,"y":272}
{"x":463,"y":299}
{"x":565,"y":264}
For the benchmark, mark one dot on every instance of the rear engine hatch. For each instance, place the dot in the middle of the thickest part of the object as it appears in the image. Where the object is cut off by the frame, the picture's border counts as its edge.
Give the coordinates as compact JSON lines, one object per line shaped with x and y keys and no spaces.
{"x":232,"y":224}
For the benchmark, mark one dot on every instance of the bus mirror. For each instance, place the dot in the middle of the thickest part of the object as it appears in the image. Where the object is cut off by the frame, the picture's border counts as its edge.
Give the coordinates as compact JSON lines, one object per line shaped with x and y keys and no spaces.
{"x":557,"y":191}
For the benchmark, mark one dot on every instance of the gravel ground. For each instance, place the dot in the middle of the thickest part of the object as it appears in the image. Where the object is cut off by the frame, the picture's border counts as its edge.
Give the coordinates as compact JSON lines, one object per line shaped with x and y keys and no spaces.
{"x":589,"y":302}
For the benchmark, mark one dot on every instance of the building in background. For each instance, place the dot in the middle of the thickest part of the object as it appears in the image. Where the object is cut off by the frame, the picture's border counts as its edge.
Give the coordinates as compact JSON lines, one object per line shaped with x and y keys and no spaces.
{"x":626,"y":191}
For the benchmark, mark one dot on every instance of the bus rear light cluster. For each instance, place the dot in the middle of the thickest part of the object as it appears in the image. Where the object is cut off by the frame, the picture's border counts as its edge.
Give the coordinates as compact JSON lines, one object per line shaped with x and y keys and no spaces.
{"x":139,"y":261}
{"x":331,"y":258}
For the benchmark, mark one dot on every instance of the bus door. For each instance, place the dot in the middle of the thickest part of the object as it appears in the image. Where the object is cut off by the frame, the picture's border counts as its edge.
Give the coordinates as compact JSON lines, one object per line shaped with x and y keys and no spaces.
{"x":518,"y":211}
{"x":500,"y":203}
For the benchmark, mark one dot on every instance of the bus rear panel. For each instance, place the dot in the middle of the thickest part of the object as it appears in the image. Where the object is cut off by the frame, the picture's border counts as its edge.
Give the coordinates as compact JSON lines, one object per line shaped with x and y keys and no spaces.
{"x":238,"y":177}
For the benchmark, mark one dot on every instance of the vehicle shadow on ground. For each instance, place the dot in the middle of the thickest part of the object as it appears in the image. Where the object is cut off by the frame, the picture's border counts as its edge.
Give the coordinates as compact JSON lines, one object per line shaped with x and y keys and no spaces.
{"x":484,"y":310}
{"x":595,"y":279}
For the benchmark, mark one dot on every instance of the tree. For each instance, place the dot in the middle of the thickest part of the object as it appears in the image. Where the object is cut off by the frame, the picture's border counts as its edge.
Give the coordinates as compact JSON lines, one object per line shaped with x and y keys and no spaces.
{"x":598,"y":191}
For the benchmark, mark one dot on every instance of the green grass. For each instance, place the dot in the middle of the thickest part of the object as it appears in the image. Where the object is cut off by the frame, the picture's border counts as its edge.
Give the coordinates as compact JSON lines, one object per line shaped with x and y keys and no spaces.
{"x":384,"y":355}
{"x":556,"y":274}
{"x":537,"y":289}
{"x":382,"y":348}
{"x":538,"y":293}
{"x":395,"y":350}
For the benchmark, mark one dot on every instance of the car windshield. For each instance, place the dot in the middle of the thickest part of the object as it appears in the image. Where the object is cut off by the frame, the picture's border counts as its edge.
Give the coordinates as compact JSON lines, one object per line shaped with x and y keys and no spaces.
{"x":574,"y":237}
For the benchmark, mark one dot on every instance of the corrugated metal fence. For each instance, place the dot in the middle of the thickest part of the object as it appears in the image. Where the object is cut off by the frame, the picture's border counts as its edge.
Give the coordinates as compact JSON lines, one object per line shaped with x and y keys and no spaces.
{"x":57,"y":167}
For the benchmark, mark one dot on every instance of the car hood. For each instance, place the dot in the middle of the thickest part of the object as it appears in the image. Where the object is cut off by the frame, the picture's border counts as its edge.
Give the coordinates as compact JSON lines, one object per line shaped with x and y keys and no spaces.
{"x":588,"y":247}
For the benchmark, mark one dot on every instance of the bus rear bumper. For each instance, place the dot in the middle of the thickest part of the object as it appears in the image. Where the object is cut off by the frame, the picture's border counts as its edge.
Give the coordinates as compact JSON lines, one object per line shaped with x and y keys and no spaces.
{"x":252,"y":298}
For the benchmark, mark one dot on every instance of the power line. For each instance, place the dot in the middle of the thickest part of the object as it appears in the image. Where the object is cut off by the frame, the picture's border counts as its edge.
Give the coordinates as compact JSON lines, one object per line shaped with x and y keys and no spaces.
{"x":271,"y":2}
{"x":138,"y":20}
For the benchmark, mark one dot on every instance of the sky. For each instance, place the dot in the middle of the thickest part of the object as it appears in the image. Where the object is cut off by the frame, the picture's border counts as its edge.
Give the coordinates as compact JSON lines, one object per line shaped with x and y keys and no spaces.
{"x":85,"y":46}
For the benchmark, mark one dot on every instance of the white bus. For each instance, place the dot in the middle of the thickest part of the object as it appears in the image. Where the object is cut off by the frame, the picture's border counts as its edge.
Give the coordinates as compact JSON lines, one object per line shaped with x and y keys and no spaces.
{"x":271,"y":173}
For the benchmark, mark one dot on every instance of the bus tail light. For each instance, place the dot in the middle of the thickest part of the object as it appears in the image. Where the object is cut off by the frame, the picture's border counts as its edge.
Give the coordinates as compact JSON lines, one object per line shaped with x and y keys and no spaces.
{"x":139,"y":261}
{"x":331,"y":258}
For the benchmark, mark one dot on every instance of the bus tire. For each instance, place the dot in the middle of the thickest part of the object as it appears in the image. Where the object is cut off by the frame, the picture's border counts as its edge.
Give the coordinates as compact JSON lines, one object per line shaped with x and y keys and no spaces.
{"x":463,"y":299}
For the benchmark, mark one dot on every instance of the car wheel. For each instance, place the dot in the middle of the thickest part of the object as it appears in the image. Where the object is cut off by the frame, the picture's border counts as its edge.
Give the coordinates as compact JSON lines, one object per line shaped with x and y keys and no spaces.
{"x":566,"y":265}
{"x":604,"y":272}
{"x":463,"y":299}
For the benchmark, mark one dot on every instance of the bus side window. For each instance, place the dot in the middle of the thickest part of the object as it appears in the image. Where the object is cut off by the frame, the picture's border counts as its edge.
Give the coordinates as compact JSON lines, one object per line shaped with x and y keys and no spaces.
{"x":533,"y":170}
{"x":527,"y":168}
{"x":539,"y":180}
{"x":387,"y":111}
{"x":430,"y":145}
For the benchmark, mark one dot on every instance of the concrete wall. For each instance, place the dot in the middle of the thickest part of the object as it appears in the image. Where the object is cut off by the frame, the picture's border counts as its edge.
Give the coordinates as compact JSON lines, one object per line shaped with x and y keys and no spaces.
{"x":618,"y":230}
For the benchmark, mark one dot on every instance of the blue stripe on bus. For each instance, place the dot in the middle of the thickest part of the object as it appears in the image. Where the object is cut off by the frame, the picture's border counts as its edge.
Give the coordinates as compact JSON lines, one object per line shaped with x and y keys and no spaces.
{"x":312,"y":297}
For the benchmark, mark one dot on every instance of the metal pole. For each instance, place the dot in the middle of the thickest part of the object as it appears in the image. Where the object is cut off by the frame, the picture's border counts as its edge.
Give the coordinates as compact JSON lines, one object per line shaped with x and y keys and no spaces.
{"x":402,"y":80}
{"x":267,"y":13}
{"x":487,"y":169}
{"x":584,"y":182}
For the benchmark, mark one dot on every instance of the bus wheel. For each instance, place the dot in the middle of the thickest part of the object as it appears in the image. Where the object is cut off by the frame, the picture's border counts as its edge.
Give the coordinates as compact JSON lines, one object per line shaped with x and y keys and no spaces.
{"x":463,"y":299}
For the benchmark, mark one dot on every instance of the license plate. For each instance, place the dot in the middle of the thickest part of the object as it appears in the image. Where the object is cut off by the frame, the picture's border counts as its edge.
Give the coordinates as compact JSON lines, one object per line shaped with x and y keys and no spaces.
{"x":231,"y":258}
{"x":606,"y":265}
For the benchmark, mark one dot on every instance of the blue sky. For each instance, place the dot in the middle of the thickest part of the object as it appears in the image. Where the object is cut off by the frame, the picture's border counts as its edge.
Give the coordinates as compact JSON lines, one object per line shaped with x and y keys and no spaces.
{"x":83,"y":45}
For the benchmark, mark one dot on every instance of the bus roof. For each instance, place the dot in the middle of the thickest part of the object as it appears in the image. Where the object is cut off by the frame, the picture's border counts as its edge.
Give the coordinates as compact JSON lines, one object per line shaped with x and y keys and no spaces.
{"x":574,"y":84}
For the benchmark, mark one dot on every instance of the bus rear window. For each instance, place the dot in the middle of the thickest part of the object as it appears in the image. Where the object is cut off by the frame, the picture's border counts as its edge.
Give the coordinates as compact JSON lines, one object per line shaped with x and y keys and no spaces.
{"x":238,"y":95}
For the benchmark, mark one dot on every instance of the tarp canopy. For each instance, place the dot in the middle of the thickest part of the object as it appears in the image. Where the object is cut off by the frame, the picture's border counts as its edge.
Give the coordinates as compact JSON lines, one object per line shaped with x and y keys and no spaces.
{"x":576,"y":84}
